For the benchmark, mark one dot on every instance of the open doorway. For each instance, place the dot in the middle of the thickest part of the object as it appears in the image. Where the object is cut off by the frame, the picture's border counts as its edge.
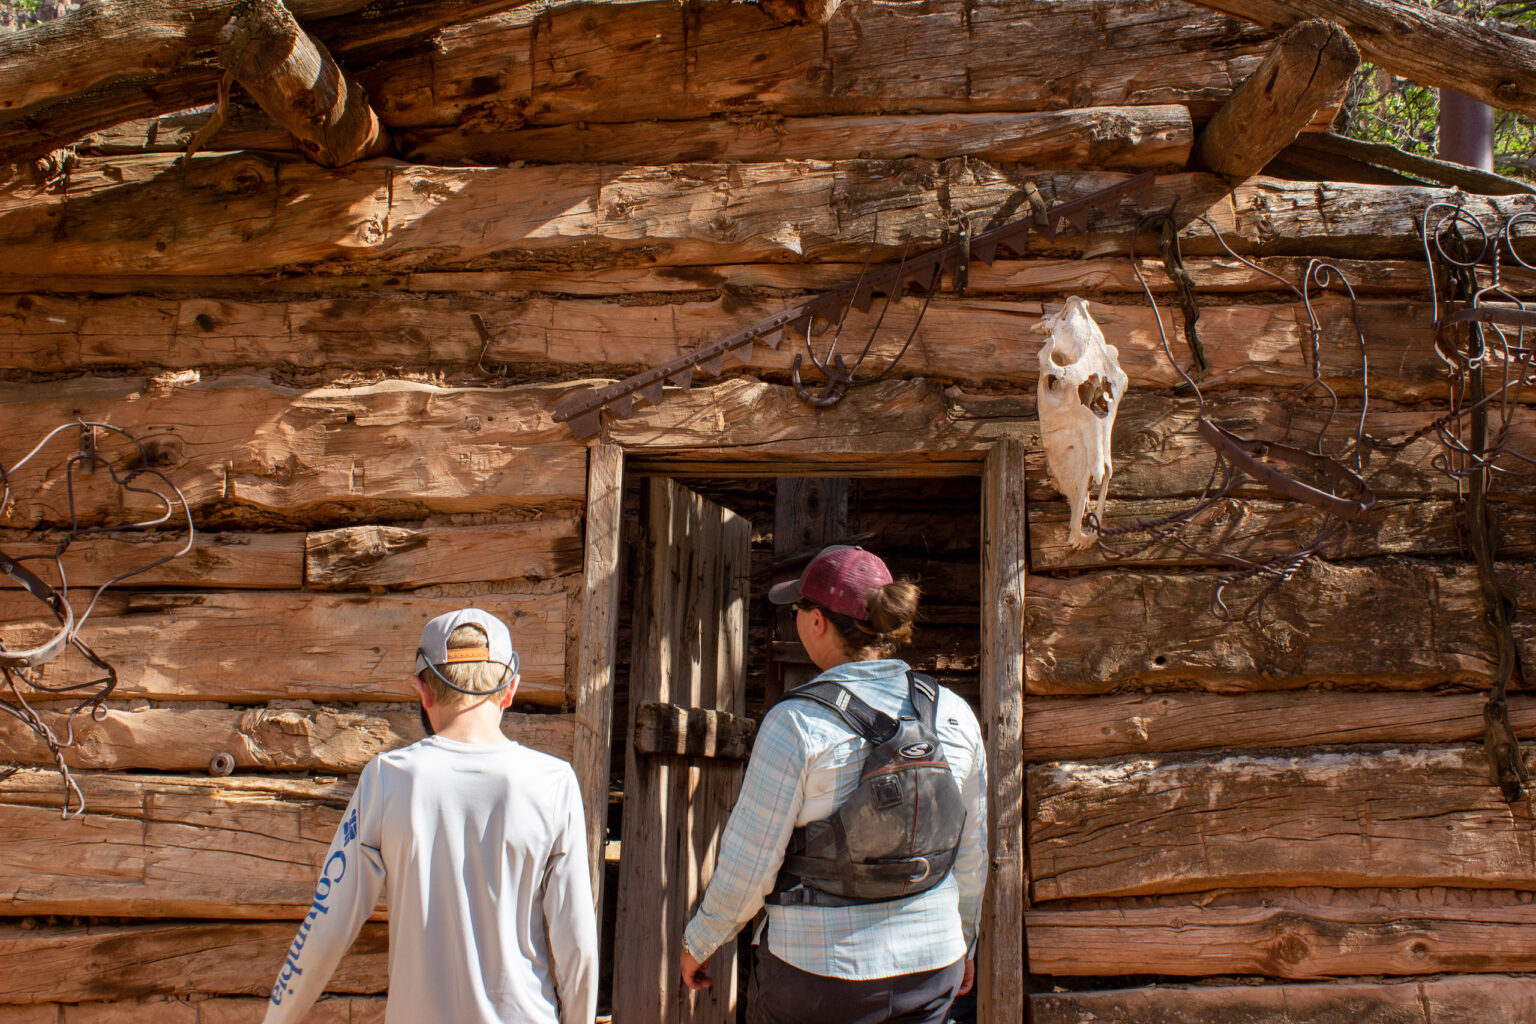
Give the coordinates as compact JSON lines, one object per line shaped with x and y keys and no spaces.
{"x":699,"y":645}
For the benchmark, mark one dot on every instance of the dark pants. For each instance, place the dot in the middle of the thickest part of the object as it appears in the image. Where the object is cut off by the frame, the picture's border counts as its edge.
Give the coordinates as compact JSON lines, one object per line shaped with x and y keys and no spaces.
{"x":783,"y":994}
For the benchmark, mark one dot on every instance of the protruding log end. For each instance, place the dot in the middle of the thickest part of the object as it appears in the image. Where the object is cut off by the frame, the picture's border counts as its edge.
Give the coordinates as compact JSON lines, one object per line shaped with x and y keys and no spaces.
{"x":1309,"y":64}
{"x":296,"y":80}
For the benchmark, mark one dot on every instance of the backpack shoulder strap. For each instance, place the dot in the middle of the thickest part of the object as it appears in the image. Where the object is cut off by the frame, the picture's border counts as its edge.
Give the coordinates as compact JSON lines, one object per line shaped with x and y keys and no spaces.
{"x":923,"y":692}
{"x":875,"y":726}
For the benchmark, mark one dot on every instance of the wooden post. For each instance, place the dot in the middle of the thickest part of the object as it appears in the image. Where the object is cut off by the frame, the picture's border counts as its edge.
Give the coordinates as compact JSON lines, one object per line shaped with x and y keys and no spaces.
{"x":296,"y":80}
{"x":1296,"y":79}
{"x":1000,"y":965}
{"x":599,"y":638}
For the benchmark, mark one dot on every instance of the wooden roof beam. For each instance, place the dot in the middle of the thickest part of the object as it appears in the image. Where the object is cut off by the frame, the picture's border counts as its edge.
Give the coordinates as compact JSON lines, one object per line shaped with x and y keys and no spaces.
{"x":1416,"y":42}
{"x":116,"y":40}
{"x":1303,"y":73}
{"x":294,"y":78}
{"x":129,"y":60}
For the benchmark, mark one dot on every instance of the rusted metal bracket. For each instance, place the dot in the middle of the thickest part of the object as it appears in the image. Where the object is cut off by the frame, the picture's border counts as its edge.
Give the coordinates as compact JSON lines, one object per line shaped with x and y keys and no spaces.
{"x":583,"y":412}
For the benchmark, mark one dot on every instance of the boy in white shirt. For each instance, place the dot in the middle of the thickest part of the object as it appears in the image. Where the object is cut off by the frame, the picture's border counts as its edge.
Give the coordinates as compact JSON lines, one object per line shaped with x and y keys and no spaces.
{"x":481,"y":844}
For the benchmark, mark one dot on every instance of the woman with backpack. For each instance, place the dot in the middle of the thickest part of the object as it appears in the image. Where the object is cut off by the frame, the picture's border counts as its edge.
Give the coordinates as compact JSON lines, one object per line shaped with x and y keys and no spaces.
{"x":861,"y":822}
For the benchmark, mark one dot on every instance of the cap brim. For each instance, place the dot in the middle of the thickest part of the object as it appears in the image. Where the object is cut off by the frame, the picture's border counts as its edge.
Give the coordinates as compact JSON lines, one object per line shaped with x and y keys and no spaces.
{"x":787,"y":592}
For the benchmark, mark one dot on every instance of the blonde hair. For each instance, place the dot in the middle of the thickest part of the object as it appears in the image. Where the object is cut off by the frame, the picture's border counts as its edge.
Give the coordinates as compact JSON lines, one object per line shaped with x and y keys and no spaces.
{"x":892,"y":613}
{"x":483,"y":677}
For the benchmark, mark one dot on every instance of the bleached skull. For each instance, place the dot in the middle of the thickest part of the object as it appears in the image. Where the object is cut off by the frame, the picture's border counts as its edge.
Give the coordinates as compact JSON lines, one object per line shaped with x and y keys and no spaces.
{"x":1081,"y":385}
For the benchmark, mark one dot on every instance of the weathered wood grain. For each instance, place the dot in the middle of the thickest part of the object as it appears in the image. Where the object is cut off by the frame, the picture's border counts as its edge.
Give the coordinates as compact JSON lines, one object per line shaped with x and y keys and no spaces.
{"x":249,"y":561}
{"x":173,"y":739}
{"x":1122,"y":138}
{"x":691,"y":581}
{"x":1399,"y":624}
{"x":172,"y":1010}
{"x":672,"y":729}
{"x":1295,"y":934}
{"x":382,"y":215}
{"x":1305,"y":71}
{"x":109,"y":42}
{"x":1480,"y":1000}
{"x":244,"y":648}
{"x":969,"y":339}
{"x":166,"y":846}
{"x":1421,"y":43}
{"x":746,"y":428}
{"x":1039,"y":275}
{"x":246,"y":126}
{"x":1157,"y":453}
{"x":1258,"y":528}
{"x":244,"y":445}
{"x":139,"y":60}
{"x":292,"y":76}
{"x":1398,"y":817}
{"x":1001,"y":967}
{"x":72,"y":964}
{"x":597,"y":653}
{"x":1077,"y":728}
{"x":597,"y":63}
{"x":420,"y":556}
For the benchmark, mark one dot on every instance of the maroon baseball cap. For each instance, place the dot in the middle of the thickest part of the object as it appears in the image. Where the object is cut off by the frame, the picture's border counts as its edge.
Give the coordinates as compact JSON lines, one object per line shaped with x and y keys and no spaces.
{"x":840,"y":579}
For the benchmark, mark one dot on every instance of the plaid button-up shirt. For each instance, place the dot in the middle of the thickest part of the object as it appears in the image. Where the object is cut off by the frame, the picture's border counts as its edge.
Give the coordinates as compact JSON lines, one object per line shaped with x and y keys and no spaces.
{"x":805,"y":763}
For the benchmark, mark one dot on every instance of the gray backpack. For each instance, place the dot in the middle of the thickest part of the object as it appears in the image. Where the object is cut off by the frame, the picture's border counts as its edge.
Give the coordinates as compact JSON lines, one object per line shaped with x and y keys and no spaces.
{"x":898,"y":834}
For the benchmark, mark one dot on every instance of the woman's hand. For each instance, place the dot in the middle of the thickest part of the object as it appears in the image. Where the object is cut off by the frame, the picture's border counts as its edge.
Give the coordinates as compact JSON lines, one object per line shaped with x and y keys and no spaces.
{"x":696,"y":976}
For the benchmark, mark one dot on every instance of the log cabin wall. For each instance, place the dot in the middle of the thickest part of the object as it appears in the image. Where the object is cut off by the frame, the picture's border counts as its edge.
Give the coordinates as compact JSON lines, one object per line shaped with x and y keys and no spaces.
{"x":351,"y":373}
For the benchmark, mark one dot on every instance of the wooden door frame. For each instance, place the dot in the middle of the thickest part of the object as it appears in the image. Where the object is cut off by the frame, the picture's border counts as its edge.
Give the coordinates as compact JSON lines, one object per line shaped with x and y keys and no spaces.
{"x":999,"y":461}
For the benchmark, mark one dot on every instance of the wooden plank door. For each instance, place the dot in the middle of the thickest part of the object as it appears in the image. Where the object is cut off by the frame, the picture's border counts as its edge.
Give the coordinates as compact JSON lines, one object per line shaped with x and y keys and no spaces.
{"x":689,"y":651}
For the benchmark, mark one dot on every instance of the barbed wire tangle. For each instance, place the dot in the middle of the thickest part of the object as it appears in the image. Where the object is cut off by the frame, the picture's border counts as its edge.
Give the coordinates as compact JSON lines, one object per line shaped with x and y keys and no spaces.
{"x":39,"y":678}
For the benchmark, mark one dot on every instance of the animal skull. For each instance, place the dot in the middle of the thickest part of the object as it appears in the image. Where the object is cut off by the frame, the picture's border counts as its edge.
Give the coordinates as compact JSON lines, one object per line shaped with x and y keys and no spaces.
{"x":1080,"y":388}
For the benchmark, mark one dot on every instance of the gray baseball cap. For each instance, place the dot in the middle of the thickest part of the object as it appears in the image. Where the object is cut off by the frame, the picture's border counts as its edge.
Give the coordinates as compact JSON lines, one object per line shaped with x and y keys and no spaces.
{"x":434,"y":645}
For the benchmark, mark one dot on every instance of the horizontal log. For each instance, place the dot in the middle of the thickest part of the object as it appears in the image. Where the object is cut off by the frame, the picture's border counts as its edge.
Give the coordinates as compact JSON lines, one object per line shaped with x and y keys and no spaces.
{"x":1479,"y":1000}
{"x":410,"y":557}
{"x":137,"y":60}
{"x":662,"y":728}
{"x":242,"y":447}
{"x":164,"y":846}
{"x":643,"y":62}
{"x":171,"y":1010}
{"x":200,"y":217}
{"x":172,"y":739}
{"x":248,"y":648}
{"x":106,"y":43}
{"x":1404,"y":625}
{"x":742,"y":428}
{"x":135,"y":961}
{"x":250,"y":561}
{"x":1158,"y":454}
{"x":1399,"y":817}
{"x":1256,"y":529}
{"x":1122,"y":138}
{"x":245,"y":126}
{"x":1290,"y":934}
{"x":968,"y":339}
{"x":1040,"y":275}
{"x":1076,"y":728}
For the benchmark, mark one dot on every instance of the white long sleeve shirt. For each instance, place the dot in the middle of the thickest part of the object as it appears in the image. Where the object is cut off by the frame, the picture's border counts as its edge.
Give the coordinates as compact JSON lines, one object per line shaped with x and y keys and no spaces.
{"x":805,"y":763}
{"x":482,"y":848}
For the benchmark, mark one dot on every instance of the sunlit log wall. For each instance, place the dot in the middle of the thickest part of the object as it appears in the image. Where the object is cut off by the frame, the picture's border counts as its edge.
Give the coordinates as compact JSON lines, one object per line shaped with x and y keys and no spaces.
{"x":1298,"y":807}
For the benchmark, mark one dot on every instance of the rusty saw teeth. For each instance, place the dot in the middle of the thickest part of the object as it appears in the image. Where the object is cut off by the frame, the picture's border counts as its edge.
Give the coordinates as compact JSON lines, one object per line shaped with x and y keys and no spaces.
{"x":582,"y":412}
